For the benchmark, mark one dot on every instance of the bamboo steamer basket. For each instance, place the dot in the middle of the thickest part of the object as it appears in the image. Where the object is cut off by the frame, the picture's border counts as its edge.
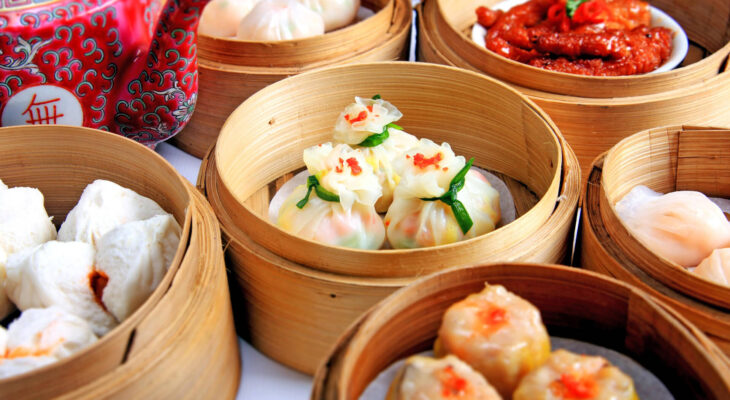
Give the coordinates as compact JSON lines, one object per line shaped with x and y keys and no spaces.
{"x":232,"y":70}
{"x":307,"y":300}
{"x":595,"y":113}
{"x":665,"y":159}
{"x":573,"y":303}
{"x":155,"y":351}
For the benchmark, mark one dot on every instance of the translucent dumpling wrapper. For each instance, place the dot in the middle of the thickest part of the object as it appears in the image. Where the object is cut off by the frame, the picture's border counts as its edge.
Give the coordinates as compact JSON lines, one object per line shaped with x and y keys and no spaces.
{"x":566,"y":375}
{"x":498,"y":333}
{"x":446,"y":378}
{"x":59,"y":274}
{"x":716,"y":267}
{"x":350,"y":220}
{"x":134,"y":258}
{"x":426,"y":172}
{"x":41,"y":336}
{"x":24,"y":223}
{"x":103,"y":206}
{"x":3,"y":186}
{"x":684,"y":227}
{"x":221,"y":17}
{"x":334,"y":13}
{"x":369,"y":118}
{"x":274,"y":20}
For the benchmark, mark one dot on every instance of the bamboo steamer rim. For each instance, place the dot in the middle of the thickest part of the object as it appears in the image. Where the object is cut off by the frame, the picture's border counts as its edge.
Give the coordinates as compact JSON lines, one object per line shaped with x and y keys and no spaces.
{"x":331,"y":379}
{"x":382,"y":256}
{"x":552,"y":82}
{"x":49,"y":136}
{"x":657,"y":266}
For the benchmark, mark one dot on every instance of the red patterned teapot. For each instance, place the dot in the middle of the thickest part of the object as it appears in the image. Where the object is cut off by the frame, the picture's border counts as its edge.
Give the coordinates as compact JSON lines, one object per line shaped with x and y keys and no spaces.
{"x":107,"y":64}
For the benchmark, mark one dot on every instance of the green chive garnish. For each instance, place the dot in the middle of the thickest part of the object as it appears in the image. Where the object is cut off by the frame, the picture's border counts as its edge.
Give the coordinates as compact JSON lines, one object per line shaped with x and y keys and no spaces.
{"x":378,"y":138}
{"x":376,"y":97}
{"x":449,"y":198}
{"x":322,"y":193}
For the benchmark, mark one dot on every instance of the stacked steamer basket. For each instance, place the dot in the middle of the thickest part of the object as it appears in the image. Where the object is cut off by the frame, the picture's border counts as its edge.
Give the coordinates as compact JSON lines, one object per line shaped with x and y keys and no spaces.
{"x":574,"y":304}
{"x":231,"y":70}
{"x":665,"y":160}
{"x":300,"y":295}
{"x":594,"y":113}
{"x":185,"y":328}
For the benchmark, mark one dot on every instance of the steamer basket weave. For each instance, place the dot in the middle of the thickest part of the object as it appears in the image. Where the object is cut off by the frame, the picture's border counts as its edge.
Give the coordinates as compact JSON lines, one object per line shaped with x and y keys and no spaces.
{"x":665,"y":159}
{"x":154,"y":352}
{"x":232,"y":70}
{"x":573,"y":303}
{"x":593,"y":114}
{"x":303,"y":304}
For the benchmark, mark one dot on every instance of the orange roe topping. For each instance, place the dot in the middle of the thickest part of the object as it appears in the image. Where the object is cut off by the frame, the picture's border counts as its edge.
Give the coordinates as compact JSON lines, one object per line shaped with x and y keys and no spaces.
{"x":571,"y":386}
{"x":445,"y":169}
{"x":420,"y":161}
{"x":19,"y":352}
{"x":452,"y":384}
{"x":490,"y":319}
{"x":408,"y":156}
{"x":354,"y":166}
{"x":97,"y":283}
{"x":340,"y":168}
{"x":370,"y":108}
{"x":387,"y":222}
{"x":360,"y":117}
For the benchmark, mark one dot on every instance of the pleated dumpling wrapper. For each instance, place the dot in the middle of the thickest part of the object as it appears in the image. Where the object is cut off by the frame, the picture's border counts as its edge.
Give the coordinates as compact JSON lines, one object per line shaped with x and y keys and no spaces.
{"x":24,"y":223}
{"x":498,"y":333}
{"x":566,"y":375}
{"x":275,"y":20}
{"x":439,"y":199}
{"x":221,"y":17}
{"x":334,"y":13}
{"x":683,"y":227}
{"x":716,"y":267}
{"x":41,"y":336}
{"x":336,"y":206}
{"x":133,"y":258}
{"x":439,"y":379}
{"x":368,"y":125}
{"x":103,"y":206}
{"x":60,"y":274}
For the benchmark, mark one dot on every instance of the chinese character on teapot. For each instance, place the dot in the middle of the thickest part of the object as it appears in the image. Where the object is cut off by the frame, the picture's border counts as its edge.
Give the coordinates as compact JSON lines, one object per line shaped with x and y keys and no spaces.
{"x":126,"y":66}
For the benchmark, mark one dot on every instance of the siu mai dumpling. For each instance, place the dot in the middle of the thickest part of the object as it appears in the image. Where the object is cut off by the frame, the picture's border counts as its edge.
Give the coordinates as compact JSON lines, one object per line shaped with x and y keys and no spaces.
{"x":275,"y":20}
{"x":41,"y":336}
{"x":368,"y":125}
{"x":498,"y":333}
{"x":133,"y":258}
{"x":571,"y":376}
{"x":103,"y":206}
{"x":337,"y":205}
{"x":24,"y":223}
{"x":447,"y":378}
{"x":439,"y":199}
{"x":683,"y":227}
{"x":221,"y":17}
{"x":716,"y":267}
{"x":59,"y":274}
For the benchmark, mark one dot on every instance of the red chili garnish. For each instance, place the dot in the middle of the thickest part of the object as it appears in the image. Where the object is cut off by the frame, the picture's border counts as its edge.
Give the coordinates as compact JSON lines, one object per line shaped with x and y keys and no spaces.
{"x":370,"y":108}
{"x":341,"y":167}
{"x":445,"y":169}
{"x":571,"y":386}
{"x":354,"y":166}
{"x":97,"y":283}
{"x":559,"y":15}
{"x":420,"y":161}
{"x":590,"y":12}
{"x":387,"y":222}
{"x":408,"y":156}
{"x":360,"y":117}
{"x":452,"y":384}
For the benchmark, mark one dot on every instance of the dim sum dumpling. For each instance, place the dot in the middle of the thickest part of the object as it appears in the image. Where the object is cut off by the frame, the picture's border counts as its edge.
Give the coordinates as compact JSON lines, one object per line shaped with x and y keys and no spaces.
{"x":24,"y":223}
{"x":60,"y":274}
{"x":683,"y":227}
{"x":445,"y":378}
{"x":716,"y":267}
{"x":103,"y":206}
{"x":221,"y":17}
{"x":41,"y":336}
{"x":134,"y":257}
{"x":274,"y":20}
{"x":498,"y":333}
{"x":360,"y":124}
{"x":571,"y":376}
{"x":335,"y":13}
{"x":3,"y":186}
{"x":426,"y":172}
{"x":349,"y":218}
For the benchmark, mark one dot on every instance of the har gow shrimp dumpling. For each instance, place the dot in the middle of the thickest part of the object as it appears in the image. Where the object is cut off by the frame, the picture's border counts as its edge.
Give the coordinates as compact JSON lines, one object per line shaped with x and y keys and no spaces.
{"x":716,"y":267}
{"x":273,"y":20}
{"x":221,"y":17}
{"x":444,"y":378}
{"x":103,"y":206}
{"x":498,"y":333}
{"x":335,"y":13}
{"x":571,"y":376}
